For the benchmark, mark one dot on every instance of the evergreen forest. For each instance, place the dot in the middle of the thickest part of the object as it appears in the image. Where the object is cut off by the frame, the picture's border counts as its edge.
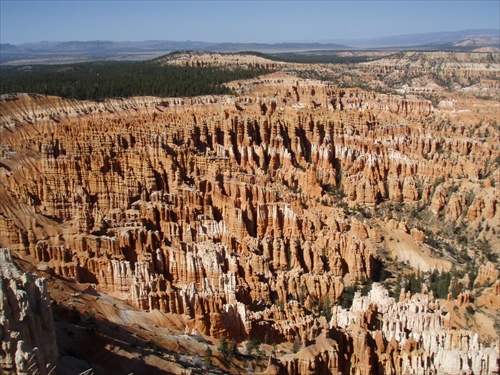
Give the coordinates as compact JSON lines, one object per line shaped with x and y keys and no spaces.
{"x":109,"y":79}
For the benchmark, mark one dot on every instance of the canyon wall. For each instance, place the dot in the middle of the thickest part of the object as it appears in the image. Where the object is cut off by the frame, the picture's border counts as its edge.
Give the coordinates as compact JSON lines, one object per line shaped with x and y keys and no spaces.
{"x":246,"y":216}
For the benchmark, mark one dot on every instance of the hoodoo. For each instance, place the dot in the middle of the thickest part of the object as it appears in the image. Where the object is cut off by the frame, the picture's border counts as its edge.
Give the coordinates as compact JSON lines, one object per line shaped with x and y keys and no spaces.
{"x":343,"y":230}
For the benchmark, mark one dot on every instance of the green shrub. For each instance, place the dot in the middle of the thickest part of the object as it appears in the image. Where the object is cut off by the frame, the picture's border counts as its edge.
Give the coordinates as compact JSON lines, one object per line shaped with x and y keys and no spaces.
{"x":90,"y":322}
{"x":227,"y":348}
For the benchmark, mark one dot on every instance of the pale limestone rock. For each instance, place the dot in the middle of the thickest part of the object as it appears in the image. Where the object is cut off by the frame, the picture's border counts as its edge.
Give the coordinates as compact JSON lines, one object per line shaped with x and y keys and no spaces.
{"x":28,"y":341}
{"x":418,"y":329}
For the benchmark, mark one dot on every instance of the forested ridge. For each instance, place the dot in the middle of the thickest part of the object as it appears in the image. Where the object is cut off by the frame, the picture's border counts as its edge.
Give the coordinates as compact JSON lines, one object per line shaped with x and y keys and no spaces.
{"x":312,"y":57}
{"x":103,"y":79}
{"x":100,"y":80}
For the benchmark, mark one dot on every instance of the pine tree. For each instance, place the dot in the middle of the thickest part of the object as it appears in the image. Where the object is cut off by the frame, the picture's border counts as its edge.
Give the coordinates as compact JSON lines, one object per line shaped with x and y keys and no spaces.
{"x":326,"y":311}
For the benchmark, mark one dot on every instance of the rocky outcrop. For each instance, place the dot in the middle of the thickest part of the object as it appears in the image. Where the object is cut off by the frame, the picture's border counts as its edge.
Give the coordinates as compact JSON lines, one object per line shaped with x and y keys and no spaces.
{"x":28,"y":341}
{"x":461,"y":65}
{"x":189,"y":220}
{"x":380,"y":336}
{"x":488,"y":274}
{"x":247,"y":215}
{"x":425,"y":338}
{"x":204,"y":59}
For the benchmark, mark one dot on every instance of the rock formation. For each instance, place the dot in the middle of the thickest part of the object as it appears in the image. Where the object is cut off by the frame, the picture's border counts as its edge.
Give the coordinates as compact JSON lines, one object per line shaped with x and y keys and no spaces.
{"x":247,"y":215}
{"x":380,"y":336}
{"x":28,"y":340}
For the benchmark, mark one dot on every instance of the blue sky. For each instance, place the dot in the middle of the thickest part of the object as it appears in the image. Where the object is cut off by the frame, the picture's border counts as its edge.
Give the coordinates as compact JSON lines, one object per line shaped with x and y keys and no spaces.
{"x":236,"y":21}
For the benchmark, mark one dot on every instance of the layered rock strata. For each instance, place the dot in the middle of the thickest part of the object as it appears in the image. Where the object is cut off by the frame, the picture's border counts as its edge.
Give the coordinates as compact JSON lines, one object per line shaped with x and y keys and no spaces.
{"x":244,"y":215}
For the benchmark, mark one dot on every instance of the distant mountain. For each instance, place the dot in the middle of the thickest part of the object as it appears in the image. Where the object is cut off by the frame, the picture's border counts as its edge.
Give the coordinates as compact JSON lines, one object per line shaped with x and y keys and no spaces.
{"x":39,"y":46}
{"x":9,"y":47}
{"x":411,"y":40}
{"x":277,"y":47}
{"x":157,"y":45}
{"x":95,"y":46}
{"x":75,"y":51}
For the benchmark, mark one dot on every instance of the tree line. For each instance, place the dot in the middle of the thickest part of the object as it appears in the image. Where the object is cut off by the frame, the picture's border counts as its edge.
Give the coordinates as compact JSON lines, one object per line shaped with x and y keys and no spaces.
{"x":312,"y":57}
{"x":110,"y":79}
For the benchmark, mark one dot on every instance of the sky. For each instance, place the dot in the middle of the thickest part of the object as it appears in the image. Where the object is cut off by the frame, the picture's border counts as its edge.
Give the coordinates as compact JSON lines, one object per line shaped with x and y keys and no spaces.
{"x":237,"y":21}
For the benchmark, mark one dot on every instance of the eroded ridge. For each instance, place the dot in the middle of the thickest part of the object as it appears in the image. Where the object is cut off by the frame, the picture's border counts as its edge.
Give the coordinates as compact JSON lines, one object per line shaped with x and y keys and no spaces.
{"x":246,"y":216}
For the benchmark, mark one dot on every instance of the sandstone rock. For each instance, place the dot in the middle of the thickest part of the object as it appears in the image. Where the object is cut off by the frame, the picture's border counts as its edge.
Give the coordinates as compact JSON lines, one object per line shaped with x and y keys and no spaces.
{"x":488,"y":275}
{"x":416,"y":331}
{"x":27,"y":328}
{"x":418,"y":235}
{"x":242,"y":214}
{"x":439,"y":199}
{"x":456,"y":206}
{"x":475,"y":209}
{"x":490,"y":208}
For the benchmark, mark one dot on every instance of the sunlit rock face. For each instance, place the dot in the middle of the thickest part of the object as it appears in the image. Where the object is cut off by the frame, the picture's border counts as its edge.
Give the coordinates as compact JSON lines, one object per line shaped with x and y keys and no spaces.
{"x":245,"y":215}
{"x":378,"y":335}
